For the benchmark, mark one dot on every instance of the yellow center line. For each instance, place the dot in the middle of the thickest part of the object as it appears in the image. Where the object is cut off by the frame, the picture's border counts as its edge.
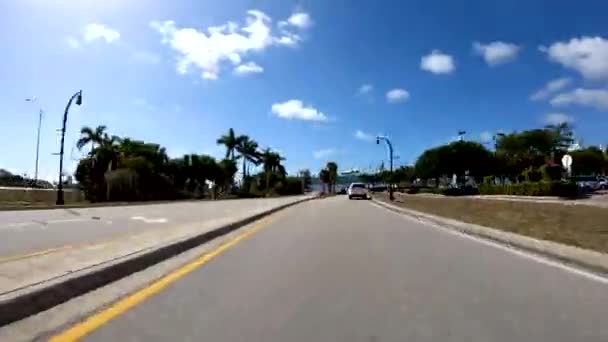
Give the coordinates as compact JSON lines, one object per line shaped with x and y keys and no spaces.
{"x":111,"y":239}
{"x":33,"y":254}
{"x":81,"y":329}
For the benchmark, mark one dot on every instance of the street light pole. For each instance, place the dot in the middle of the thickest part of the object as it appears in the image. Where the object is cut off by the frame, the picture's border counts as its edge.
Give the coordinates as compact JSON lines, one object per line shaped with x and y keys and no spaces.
{"x":461,"y":135}
{"x":78,"y":97}
{"x":33,"y":99}
{"x":38,"y":146}
{"x":390,"y":151}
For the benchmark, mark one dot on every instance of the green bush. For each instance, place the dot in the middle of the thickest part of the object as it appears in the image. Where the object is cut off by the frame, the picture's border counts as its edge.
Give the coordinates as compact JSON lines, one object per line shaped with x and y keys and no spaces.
{"x":461,"y":191}
{"x":430,"y":190}
{"x":289,"y":186}
{"x":551,"y":172}
{"x":413,"y":190}
{"x":560,"y":189}
{"x":532,"y":175}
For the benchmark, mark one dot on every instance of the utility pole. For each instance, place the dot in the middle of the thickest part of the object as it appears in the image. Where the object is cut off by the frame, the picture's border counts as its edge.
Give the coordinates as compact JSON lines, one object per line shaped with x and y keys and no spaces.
{"x":78,"y":97}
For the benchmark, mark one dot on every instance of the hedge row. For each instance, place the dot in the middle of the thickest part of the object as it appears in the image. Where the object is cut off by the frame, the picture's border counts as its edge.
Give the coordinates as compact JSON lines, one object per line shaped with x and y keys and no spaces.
{"x":461,"y":191}
{"x":560,"y":189}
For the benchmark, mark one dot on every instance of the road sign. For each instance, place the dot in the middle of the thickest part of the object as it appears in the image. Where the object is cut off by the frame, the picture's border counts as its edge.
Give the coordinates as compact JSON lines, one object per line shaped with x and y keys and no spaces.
{"x":567,"y":161}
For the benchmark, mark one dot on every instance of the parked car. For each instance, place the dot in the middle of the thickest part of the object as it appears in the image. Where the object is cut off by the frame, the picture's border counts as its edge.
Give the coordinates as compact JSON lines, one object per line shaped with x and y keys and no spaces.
{"x":603,"y":183}
{"x":358,"y":190}
{"x":587,"y":183}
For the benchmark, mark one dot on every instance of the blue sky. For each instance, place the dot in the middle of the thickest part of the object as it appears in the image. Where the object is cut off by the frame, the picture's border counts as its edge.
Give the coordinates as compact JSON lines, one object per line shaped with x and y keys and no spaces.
{"x":312,"y":79}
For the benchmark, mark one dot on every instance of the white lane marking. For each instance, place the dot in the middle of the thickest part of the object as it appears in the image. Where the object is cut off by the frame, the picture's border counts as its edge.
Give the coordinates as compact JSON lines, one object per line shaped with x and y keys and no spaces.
{"x":148,"y":220}
{"x":66,"y":220}
{"x":39,"y":224}
{"x":17,"y":225}
{"x":513,"y":250}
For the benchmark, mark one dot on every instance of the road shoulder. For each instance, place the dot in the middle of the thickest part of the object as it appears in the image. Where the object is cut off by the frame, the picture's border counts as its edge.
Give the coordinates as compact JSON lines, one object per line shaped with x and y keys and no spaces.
{"x":592,"y":261}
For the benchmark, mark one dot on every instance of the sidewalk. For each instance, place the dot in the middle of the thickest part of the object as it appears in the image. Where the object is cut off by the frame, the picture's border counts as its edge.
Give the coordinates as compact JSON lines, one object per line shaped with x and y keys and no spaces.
{"x":81,"y":268}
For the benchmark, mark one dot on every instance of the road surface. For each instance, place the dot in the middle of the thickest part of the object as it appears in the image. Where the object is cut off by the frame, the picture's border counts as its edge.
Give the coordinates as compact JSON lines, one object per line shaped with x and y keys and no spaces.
{"x":30,"y":231}
{"x":339,"y":270}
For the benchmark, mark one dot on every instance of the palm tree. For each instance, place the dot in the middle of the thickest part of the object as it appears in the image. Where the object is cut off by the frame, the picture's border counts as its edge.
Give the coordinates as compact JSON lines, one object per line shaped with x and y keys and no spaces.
{"x":95,"y":136}
{"x":231,"y":141}
{"x":248,"y":150}
{"x":272,"y":164}
{"x":332,"y":168}
{"x":324,"y":178}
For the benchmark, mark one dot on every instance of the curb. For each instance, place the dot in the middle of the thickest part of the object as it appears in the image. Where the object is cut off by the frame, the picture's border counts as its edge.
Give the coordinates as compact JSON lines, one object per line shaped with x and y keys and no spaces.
{"x":85,"y":205}
{"x":589,"y":260}
{"x":38,"y":300}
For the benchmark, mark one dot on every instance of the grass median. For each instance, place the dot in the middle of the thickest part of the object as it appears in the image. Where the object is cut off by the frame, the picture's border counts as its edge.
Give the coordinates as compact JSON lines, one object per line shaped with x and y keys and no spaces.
{"x":576,"y":225}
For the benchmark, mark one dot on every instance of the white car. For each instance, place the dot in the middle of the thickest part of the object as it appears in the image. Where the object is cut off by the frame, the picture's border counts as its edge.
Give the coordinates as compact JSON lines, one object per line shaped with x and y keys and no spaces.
{"x":603,"y":183}
{"x":587,"y":183}
{"x":357,"y":190}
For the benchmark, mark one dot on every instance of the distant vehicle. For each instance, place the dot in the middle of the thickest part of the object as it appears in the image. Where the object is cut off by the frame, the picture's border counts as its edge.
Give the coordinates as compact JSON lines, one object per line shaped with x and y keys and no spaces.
{"x":603,"y":183}
{"x":342,"y":191}
{"x":357,"y":190}
{"x":587,"y":183}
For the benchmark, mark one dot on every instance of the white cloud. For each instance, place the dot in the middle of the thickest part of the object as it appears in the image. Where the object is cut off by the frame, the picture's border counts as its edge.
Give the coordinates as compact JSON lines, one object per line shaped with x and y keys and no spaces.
{"x":324,"y":153}
{"x":145,"y":57}
{"x":497,"y":52}
{"x":227,"y":43}
{"x":596,"y":98}
{"x":209,"y":75}
{"x":143,"y":103}
{"x":397,"y":95}
{"x":96,"y":31}
{"x":550,"y":88}
{"x":437,"y":63}
{"x":248,"y":68}
{"x":486,"y":136}
{"x":587,"y":55}
{"x":365,"y":89}
{"x":557,"y":118}
{"x":300,"y":20}
{"x":73,"y":42}
{"x":295,"y":109}
{"x":289,"y":40}
{"x":359,"y":134}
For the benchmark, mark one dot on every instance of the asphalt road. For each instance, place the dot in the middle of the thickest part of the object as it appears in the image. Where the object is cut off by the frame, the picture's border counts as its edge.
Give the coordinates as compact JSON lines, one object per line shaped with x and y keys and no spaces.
{"x":339,"y":270}
{"x":29,"y":231}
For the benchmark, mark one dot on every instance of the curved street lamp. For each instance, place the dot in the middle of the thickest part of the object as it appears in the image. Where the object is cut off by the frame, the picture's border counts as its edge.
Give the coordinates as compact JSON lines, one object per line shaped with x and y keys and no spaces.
{"x":78,"y":97}
{"x":390,"y":151}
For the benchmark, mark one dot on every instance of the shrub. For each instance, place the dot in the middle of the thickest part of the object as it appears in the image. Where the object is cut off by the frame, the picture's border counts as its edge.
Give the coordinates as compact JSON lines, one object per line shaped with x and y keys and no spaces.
{"x":289,"y":186}
{"x":467,"y":190}
{"x":413,"y":190}
{"x":531,"y":175}
{"x":430,"y":190}
{"x":560,"y":189}
{"x":551,"y":172}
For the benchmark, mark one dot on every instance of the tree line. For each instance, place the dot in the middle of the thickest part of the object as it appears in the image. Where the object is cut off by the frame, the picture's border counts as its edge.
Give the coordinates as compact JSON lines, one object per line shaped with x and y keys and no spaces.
{"x":526,"y":156}
{"x":121,"y":168}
